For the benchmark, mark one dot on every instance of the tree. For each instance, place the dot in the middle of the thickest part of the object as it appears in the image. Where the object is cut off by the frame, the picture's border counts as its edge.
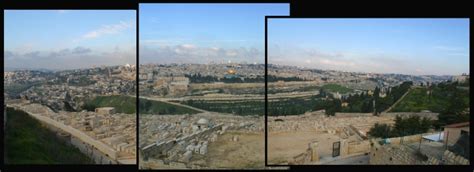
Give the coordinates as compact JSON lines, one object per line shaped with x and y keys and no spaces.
{"x":376,"y":93}
{"x":453,"y":112}
{"x":380,"y":130}
{"x":411,"y":125}
{"x":322,"y":93}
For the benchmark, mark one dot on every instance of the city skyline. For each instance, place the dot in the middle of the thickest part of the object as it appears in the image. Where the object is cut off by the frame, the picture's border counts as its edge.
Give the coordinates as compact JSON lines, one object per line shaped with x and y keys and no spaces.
{"x":403,"y":46}
{"x":60,"y":42}
{"x":204,"y":33}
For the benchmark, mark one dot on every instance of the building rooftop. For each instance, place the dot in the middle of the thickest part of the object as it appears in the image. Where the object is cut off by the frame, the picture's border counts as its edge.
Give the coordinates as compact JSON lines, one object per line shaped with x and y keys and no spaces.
{"x":457,"y":125}
{"x":203,"y":121}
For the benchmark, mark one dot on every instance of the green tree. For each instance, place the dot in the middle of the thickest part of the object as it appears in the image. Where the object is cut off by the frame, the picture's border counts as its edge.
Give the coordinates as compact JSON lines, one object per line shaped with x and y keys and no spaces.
{"x":380,"y":130}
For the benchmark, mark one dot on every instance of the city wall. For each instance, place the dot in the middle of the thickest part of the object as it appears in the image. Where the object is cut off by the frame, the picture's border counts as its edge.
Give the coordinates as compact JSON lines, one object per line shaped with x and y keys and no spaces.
{"x":430,"y":115}
{"x":350,"y":114}
{"x":87,"y":149}
{"x":97,"y":156}
{"x":225,"y":85}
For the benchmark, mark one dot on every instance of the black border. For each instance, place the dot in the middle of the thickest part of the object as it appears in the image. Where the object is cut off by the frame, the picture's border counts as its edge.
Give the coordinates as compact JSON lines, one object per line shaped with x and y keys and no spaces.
{"x":365,"y":167}
{"x":3,"y":107}
{"x":213,"y":1}
{"x":137,"y":122}
{"x":70,"y":4}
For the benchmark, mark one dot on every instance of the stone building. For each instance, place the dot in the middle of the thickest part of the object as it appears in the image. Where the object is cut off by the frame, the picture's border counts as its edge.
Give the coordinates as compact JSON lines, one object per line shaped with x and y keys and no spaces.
{"x":105,"y":110}
{"x":454,"y":131}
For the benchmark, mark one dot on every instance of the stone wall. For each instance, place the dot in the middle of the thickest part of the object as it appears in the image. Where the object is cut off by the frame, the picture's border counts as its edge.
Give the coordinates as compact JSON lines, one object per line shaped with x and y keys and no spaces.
{"x":358,"y":147}
{"x":350,"y":114}
{"x":87,"y":149}
{"x":225,"y":85}
{"x":391,"y":155}
{"x":97,"y":156}
{"x":405,"y":139}
{"x":449,"y":158}
{"x":74,"y":133}
{"x":402,"y":155}
{"x":430,"y":115}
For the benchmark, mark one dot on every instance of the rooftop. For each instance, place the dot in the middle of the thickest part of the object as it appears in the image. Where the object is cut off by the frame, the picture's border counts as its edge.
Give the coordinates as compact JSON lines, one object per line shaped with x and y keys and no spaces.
{"x":457,"y":125}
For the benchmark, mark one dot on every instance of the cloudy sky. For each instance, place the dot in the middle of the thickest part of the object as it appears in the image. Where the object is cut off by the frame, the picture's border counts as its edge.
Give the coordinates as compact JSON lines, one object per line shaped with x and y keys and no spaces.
{"x":406,"y":46}
{"x":204,"y":33}
{"x":69,"y":39}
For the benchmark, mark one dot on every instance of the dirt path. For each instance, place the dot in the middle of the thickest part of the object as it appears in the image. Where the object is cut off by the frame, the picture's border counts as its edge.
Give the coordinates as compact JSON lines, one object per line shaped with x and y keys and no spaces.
{"x":398,"y":101}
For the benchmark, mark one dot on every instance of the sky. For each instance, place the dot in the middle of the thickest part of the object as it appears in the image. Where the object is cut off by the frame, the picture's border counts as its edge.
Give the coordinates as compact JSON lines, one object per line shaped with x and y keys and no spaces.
{"x":68,"y":39}
{"x":204,"y":33}
{"x":404,"y":46}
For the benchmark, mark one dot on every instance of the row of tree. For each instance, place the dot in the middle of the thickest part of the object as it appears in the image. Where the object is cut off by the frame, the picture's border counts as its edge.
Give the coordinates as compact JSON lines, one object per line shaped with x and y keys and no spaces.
{"x":364,"y":103}
{"x":455,"y":109}
{"x":403,"y":127}
{"x":239,"y":108}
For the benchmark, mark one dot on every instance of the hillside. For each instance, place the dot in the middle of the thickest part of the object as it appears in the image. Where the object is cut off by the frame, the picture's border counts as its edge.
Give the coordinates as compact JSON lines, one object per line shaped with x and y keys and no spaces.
{"x":418,"y":99}
{"x":157,"y":107}
{"x":122,"y":104}
{"x":28,"y":142}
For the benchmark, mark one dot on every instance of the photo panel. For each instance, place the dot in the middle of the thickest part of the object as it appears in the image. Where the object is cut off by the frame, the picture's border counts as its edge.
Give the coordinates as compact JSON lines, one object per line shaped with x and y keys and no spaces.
{"x":70,"y":87}
{"x":202,"y":85}
{"x":355,"y":91}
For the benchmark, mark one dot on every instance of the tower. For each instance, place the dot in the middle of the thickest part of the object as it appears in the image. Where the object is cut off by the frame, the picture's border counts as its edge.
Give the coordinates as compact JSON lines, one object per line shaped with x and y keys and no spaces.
{"x":373,"y":104}
{"x":313,"y":146}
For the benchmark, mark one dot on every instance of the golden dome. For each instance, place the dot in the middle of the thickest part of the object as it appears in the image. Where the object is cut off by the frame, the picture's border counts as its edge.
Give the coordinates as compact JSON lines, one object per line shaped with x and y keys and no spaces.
{"x":231,"y":71}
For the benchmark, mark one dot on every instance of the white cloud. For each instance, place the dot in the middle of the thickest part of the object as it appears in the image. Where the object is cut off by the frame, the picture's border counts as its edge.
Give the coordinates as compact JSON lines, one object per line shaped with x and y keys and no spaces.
{"x":109,"y":29}
{"x":190,"y":53}
{"x":62,"y":11}
{"x":78,"y":57}
{"x":447,"y":48}
{"x":348,"y":61}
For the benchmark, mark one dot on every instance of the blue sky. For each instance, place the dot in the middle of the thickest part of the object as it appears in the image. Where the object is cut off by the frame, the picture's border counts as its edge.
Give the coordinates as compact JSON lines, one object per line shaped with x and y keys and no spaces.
{"x":408,"y":46}
{"x":70,"y":38}
{"x":201,"y":33}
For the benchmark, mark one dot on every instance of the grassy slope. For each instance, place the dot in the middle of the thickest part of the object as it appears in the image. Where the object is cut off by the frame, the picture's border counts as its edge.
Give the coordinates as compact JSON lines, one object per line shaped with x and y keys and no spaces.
{"x":336,"y":88}
{"x":126,"y":104}
{"x":122,"y":104}
{"x":27,"y":142}
{"x":157,"y":107}
{"x":418,"y":100}
{"x":250,"y":107}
